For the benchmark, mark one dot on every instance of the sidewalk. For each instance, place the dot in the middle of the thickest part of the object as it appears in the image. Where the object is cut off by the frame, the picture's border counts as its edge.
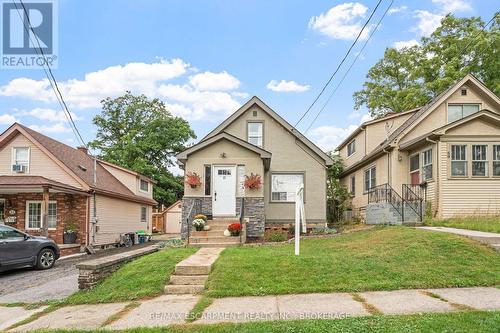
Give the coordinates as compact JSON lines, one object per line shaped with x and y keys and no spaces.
{"x":489,"y":238}
{"x":173,"y":309}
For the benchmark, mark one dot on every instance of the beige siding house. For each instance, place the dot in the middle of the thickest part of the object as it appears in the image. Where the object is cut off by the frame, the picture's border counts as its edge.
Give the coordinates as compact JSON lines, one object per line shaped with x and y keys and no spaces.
{"x":45,"y":186}
{"x":446,"y":153}
{"x":256,"y":140}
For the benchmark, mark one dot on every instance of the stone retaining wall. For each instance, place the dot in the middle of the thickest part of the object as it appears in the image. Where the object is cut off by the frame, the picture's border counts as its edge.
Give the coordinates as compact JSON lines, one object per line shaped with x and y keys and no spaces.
{"x":93,"y":271}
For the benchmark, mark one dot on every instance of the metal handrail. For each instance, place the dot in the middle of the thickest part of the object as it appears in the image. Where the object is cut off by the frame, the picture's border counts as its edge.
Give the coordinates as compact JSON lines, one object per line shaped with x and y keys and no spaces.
{"x":413,"y":200}
{"x":242,"y":217}
{"x":193,"y":210}
{"x":386,"y":194}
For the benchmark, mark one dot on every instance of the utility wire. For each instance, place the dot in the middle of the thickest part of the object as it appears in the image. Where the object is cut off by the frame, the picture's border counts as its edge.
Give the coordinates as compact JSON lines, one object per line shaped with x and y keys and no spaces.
{"x":338,"y":67}
{"x":484,"y":27}
{"x":48,"y":72}
{"x":350,"y":67}
{"x":484,"y":49}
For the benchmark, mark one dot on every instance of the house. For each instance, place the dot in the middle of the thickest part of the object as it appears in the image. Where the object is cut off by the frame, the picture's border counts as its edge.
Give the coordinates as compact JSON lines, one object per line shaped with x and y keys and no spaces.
{"x":256,"y":140}
{"x":47,"y":186}
{"x":168,"y":220}
{"x":445,"y":154}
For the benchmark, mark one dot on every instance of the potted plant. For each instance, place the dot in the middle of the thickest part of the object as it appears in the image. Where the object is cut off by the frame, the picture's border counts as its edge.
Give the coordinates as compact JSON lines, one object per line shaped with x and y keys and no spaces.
{"x":201,"y":216}
{"x":198,"y":224}
{"x":234,"y":229}
{"x":192,"y":179}
{"x":70,"y":232}
{"x":253,"y":182}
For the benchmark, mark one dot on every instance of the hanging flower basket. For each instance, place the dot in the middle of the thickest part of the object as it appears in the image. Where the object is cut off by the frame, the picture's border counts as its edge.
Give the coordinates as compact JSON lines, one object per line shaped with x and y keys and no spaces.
{"x":192,"y":179}
{"x":253,"y":182}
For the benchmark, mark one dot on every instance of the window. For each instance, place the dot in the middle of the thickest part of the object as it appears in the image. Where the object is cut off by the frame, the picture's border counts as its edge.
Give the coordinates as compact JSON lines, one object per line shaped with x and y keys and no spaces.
{"x":10,"y":234}
{"x":370,"y":178}
{"x":144,"y":185}
{"x":496,"y":160}
{"x":208,"y":177}
{"x":255,"y":133}
{"x":479,"y":160}
{"x":34,"y":213}
{"x":459,"y":160}
{"x":52,"y":215}
{"x":284,"y":186}
{"x":353,"y":185}
{"x":351,"y":148}
{"x":464,"y":92}
{"x":414,"y":163}
{"x":427,"y":164}
{"x":144,"y":213}
{"x":21,"y":157}
{"x":459,"y":111}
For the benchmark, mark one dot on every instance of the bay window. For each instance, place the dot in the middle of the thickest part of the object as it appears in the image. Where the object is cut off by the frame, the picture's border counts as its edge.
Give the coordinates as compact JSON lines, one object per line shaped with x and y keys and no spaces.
{"x":459,"y":160}
{"x":479,"y":160}
{"x":284,"y":186}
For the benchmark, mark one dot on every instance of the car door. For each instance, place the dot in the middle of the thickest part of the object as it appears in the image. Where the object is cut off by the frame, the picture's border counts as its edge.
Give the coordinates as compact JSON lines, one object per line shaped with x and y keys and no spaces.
{"x":15,"y":248}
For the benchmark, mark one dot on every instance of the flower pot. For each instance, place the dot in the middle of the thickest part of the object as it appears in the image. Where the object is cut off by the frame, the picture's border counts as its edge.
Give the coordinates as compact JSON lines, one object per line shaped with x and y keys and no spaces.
{"x":193,"y":186}
{"x":199,"y":228}
{"x":69,"y":238}
{"x":235,"y":233}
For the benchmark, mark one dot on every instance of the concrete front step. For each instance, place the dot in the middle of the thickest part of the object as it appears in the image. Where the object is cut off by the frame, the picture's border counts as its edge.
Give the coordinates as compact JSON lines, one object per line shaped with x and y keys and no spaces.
{"x":183,"y":289}
{"x":188,"y":279}
{"x":214,"y":239}
{"x":211,"y":245}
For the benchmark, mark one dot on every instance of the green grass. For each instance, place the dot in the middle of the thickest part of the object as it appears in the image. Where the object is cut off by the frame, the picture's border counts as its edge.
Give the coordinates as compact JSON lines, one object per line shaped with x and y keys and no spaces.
{"x":143,"y":277}
{"x":467,"y":322}
{"x":198,"y":309}
{"x":488,"y":224}
{"x":377,"y":259}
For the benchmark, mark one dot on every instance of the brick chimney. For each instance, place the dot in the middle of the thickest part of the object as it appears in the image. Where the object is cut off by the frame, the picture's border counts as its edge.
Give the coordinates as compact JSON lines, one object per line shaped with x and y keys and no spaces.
{"x":83,"y":149}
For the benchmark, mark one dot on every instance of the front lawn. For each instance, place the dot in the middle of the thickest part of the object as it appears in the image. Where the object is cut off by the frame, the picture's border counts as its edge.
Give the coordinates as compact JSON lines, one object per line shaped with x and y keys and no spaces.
{"x":378,"y":259}
{"x":488,"y":224}
{"x":143,"y":277}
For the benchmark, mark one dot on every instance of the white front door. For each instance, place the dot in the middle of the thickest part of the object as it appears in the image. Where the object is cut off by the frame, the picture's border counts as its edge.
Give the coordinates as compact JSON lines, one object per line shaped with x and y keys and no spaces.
{"x":224,"y":196}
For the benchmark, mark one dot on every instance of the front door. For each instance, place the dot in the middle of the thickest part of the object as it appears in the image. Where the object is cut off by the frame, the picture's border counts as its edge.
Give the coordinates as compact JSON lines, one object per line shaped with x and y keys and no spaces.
{"x":224,"y":196}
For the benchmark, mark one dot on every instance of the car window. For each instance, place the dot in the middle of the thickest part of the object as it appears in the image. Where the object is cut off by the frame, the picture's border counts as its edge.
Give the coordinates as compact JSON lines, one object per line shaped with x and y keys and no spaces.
{"x":10,"y":234}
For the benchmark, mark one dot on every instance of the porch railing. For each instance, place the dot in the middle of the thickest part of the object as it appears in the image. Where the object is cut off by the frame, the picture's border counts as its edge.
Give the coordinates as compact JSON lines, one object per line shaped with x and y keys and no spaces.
{"x":385,"y":194}
{"x":412,"y":199}
{"x":194,"y":209}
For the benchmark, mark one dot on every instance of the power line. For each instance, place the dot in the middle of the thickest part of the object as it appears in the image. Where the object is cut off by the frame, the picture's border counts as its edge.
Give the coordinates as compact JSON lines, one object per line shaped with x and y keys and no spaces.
{"x":338,"y":67}
{"x":484,"y":27}
{"x":348,"y":69}
{"x":50,"y":76}
{"x":484,"y":49}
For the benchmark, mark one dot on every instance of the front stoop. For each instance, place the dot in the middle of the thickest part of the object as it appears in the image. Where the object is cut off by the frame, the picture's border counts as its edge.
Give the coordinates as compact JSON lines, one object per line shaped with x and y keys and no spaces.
{"x":191,"y":274}
{"x":215,"y":236}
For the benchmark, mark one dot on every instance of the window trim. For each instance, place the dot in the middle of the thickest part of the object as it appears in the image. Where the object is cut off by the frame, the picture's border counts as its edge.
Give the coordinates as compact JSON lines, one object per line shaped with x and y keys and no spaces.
{"x":486,"y":161}
{"x":248,"y":132}
{"x":371,"y":167}
{"x":493,"y":160}
{"x":451,"y":160}
{"x":462,"y":105}
{"x":140,"y":183}
{"x":145,"y":220}
{"x":13,"y":158}
{"x":353,"y":141}
{"x":303,"y":173}
{"x":42,"y":212}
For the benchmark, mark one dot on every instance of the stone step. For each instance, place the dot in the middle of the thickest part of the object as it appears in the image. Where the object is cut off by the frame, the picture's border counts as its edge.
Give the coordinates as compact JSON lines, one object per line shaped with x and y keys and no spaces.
{"x":208,"y":245}
{"x":215,"y":228}
{"x":192,"y":270}
{"x":183,"y":289}
{"x":214,"y":239}
{"x":220,"y":224}
{"x":188,"y":279}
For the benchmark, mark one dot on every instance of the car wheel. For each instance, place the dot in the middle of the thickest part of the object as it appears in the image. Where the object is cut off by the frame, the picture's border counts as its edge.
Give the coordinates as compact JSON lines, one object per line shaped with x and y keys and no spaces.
{"x":46,"y":259}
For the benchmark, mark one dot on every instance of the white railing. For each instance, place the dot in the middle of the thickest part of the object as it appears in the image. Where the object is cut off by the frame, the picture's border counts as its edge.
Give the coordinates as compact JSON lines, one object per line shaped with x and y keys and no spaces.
{"x":299,"y":216}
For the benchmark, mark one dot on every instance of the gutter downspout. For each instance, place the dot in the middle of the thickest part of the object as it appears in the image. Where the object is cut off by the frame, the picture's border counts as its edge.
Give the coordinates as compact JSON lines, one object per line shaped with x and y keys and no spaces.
{"x":437,"y":184}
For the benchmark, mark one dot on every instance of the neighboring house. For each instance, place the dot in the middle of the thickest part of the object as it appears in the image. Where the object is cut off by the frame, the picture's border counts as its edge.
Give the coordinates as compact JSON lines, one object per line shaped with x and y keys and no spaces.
{"x":45,"y":183}
{"x":446,"y":153}
{"x":256,"y":140}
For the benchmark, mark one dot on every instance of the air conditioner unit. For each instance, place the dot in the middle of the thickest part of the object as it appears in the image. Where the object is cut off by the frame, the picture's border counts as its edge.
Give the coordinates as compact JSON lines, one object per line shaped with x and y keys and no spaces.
{"x":18,"y":168}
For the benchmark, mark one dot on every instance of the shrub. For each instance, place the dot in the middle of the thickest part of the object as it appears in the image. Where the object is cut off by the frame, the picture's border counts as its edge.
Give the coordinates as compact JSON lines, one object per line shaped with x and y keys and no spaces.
{"x":323,"y":231}
{"x":171,"y":243}
{"x":276,"y":236}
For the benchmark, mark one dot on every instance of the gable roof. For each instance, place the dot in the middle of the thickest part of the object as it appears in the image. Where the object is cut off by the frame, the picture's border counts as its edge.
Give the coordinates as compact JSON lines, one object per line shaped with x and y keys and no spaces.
{"x":418,"y":116}
{"x":264,"y":154}
{"x":257,"y":101}
{"x":78,"y":164}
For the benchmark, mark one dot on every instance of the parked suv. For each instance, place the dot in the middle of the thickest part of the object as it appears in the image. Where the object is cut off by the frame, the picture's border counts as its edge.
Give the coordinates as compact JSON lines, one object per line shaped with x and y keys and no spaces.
{"x":18,"y":249}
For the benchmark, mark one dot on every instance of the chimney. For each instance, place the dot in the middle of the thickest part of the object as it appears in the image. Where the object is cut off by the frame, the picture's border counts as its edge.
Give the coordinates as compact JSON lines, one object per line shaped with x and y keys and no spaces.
{"x":83,"y":149}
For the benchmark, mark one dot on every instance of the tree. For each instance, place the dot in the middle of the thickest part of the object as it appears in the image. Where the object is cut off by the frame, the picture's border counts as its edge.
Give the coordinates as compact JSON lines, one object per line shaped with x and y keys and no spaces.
{"x":336,"y":193}
{"x":140,"y":134}
{"x":410,"y":77}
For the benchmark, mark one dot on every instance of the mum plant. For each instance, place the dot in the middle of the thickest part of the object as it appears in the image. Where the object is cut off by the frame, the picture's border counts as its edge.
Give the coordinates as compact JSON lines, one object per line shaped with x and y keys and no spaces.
{"x":201,"y":216}
{"x":234,"y":229}
{"x":192,"y":179}
{"x":198,"y":224}
{"x":253,"y":182}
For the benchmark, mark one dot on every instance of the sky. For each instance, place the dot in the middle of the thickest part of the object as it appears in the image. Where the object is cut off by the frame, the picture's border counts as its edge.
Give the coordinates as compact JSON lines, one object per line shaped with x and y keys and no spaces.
{"x":204,"y":59}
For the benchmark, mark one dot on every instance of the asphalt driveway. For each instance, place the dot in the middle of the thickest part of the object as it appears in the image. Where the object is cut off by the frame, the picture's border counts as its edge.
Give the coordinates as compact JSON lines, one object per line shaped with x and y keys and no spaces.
{"x":30,"y":285}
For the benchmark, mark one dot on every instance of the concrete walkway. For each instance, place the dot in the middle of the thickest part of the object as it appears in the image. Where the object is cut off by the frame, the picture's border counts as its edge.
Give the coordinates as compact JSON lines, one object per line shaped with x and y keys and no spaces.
{"x":489,"y":238}
{"x":174,"y":309}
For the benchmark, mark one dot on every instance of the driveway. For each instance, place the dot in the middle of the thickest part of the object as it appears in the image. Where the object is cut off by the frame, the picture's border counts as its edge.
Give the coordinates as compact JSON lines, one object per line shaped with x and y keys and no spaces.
{"x":30,"y":285}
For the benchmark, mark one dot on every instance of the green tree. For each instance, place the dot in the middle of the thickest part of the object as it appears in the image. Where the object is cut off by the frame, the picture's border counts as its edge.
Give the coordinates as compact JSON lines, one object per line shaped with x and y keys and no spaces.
{"x":408,"y":78}
{"x":336,"y":193}
{"x":140,"y":134}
